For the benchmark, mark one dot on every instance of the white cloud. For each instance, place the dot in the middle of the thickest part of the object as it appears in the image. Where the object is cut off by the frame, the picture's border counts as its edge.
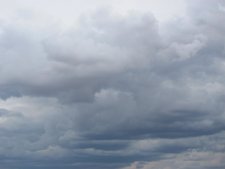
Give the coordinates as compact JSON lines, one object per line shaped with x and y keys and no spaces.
{"x":192,"y":159}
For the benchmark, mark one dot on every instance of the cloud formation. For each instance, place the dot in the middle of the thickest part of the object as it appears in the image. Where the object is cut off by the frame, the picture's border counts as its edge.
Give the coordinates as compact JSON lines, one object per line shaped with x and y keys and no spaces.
{"x":115,"y":91}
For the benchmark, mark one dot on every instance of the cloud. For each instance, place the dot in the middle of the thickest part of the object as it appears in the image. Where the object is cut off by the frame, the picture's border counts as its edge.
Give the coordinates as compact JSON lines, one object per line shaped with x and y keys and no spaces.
{"x":115,"y":90}
{"x":187,"y":160}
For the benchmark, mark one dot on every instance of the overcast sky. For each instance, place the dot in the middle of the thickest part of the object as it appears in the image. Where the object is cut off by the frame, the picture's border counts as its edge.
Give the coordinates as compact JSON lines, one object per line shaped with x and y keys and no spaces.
{"x":112,"y":84}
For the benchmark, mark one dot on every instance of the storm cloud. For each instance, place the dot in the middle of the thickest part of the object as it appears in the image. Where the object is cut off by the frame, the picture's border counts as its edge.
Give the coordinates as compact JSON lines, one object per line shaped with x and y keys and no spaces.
{"x":114,"y":90}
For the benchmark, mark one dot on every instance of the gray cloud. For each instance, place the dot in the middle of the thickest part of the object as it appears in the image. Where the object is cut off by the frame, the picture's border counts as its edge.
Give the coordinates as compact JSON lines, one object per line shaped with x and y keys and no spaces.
{"x":116,"y":91}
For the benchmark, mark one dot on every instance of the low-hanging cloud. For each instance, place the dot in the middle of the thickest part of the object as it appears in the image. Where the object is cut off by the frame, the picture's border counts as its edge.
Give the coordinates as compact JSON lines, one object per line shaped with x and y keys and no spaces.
{"x":117,"y":91}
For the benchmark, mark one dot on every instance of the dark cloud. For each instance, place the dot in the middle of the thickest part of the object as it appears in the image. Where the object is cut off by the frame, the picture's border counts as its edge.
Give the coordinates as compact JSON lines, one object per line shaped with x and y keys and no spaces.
{"x":116,"y":91}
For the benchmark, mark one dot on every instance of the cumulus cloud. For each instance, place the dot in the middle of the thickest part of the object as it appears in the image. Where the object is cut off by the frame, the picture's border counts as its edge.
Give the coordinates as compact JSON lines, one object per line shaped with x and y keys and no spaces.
{"x":114,"y":91}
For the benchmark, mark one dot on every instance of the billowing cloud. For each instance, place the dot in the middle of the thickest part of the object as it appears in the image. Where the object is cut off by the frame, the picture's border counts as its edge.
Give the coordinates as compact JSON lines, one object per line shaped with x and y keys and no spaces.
{"x":114,"y":91}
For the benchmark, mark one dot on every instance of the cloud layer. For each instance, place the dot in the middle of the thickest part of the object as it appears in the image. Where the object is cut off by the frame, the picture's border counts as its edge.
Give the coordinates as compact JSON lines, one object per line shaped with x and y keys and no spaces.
{"x":115,"y":91}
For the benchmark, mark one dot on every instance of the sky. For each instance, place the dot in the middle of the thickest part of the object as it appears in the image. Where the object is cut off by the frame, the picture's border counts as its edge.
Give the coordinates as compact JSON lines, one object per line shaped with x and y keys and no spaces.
{"x":112,"y":84}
